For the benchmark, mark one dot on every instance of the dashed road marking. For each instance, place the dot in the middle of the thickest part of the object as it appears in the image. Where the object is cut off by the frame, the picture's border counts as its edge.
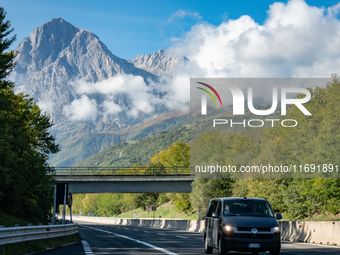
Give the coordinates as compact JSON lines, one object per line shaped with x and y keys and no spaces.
{"x":182,"y":237}
{"x":135,"y":240}
{"x":147,"y":231}
{"x":161,"y":234}
{"x":87,"y":248}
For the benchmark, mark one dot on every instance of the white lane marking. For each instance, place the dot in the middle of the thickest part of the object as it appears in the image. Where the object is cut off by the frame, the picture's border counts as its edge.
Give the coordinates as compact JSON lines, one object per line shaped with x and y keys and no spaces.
{"x":87,"y":248}
{"x":182,"y":237}
{"x":135,"y":240}
{"x":135,"y":230}
{"x":147,"y":231}
{"x":117,"y":227}
{"x":315,"y":244}
{"x":67,"y":244}
{"x":161,"y":234}
{"x":126,"y":228}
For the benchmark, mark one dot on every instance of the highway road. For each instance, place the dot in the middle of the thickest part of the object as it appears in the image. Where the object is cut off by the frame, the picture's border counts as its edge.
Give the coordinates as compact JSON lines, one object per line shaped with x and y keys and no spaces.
{"x":127,"y":240}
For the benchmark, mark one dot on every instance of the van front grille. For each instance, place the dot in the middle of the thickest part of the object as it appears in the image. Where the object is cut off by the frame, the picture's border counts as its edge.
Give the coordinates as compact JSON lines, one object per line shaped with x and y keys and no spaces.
{"x":248,"y":229}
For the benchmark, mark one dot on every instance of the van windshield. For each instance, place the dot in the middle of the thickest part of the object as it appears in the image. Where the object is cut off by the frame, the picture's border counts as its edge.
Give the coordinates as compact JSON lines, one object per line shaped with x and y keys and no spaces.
{"x":247,"y":208}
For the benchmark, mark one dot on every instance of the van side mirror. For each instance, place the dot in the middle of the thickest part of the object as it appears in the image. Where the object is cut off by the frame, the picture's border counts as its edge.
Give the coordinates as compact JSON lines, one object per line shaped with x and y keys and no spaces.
{"x":278,"y":216}
{"x":214,"y":215}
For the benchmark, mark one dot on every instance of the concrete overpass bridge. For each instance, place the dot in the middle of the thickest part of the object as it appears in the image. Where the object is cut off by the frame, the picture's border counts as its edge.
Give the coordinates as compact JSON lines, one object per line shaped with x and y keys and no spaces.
{"x":125,"y":180}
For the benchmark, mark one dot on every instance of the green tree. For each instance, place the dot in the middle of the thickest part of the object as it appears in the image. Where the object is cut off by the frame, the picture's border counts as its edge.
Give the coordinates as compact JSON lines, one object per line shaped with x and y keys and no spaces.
{"x":26,"y":189}
{"x":176,"y":155}
{"x":6,"y":58}
{"x":205,"y":189}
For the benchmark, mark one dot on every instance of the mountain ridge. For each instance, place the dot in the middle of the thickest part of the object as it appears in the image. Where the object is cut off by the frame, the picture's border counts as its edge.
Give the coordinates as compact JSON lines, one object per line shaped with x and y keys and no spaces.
{"x":54,"y":60}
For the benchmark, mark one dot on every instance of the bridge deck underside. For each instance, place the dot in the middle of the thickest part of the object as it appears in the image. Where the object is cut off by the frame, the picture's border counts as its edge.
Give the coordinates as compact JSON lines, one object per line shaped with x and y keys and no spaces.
{"x":127,"y":185}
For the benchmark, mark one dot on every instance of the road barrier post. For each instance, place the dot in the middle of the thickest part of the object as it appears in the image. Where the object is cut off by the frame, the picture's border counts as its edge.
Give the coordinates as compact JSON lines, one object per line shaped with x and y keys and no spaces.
{"x":64,"y":210}
{"x":54,"y":204}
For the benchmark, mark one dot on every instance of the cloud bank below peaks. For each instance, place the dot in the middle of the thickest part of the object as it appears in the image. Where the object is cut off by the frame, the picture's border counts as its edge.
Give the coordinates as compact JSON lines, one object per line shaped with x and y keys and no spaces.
{"x":118,"y":93}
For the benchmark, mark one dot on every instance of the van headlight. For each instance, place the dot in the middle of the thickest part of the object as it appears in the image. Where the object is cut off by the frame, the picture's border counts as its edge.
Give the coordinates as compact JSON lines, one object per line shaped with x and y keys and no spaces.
{"x":276,"y":229}
{"x":229,"y":228}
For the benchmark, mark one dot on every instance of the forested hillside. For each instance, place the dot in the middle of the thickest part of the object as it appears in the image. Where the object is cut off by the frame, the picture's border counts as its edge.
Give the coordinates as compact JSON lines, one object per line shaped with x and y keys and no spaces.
{"x":314,"y":141}
{"x":138,"y":151}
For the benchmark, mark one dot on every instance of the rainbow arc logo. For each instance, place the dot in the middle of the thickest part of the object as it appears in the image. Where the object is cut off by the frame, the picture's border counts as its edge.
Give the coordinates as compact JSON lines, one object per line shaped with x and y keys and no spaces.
{"x":204,"y":99}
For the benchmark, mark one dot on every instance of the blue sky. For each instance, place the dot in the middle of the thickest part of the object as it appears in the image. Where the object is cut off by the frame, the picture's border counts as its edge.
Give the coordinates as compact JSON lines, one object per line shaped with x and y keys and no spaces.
{"x":129,"y":28}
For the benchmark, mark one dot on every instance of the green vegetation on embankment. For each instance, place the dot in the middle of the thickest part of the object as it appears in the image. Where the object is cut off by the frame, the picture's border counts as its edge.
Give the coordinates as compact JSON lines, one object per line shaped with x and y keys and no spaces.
{"x":166,"y":210}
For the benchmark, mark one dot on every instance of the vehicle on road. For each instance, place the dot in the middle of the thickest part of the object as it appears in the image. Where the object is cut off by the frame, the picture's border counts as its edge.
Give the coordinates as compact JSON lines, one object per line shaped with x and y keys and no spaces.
{"x":241,"y":224}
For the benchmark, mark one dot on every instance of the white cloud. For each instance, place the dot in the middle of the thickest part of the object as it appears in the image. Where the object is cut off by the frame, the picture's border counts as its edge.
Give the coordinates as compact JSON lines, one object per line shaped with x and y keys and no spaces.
{"x":110,"y":108}
{"x":81,"y":109}
{"x":46,"y":104}
{"x":295,"y":41}
{"x":180,"y":14}
{"x":141,"y":96}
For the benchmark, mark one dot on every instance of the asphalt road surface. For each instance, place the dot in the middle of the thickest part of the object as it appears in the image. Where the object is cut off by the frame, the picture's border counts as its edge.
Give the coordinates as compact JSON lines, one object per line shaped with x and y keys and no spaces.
{"x":123,"y":240}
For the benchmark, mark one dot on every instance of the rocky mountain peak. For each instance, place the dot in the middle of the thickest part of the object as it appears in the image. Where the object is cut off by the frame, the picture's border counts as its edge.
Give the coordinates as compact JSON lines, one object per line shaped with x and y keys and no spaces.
{"x":44,"y":44}
{"x":159,"y":63}
{"x":57,"y":48}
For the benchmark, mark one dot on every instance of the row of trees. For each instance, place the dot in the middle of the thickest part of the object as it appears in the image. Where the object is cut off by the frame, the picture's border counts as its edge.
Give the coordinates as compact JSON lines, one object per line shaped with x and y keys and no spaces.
{"x":176,"y":155}
{"x":26,"y":189}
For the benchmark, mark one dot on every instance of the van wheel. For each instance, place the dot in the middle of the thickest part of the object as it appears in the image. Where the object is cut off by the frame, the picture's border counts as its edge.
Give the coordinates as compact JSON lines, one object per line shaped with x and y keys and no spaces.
{"x":207,"y":248}
{"x":221,"y":248}
{"x":275,"y":252}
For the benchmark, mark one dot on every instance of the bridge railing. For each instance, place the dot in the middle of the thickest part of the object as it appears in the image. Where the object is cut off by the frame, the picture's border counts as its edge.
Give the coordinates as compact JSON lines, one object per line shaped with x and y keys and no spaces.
{"x":122,"y":171}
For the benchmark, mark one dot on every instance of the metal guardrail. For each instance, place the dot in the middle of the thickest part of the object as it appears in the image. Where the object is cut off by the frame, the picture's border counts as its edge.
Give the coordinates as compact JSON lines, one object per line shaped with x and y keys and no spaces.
{"x":122,"y":171}
{"x":14,"y":235}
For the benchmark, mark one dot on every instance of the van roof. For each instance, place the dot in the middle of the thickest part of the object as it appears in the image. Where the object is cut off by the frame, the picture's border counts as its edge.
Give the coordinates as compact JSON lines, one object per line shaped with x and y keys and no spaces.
{"x":245,"y":198}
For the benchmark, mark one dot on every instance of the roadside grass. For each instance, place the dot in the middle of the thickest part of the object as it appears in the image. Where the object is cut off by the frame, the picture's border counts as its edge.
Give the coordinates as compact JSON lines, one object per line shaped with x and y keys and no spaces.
{"x":167,"y":210}
{"x":324,"y":217}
